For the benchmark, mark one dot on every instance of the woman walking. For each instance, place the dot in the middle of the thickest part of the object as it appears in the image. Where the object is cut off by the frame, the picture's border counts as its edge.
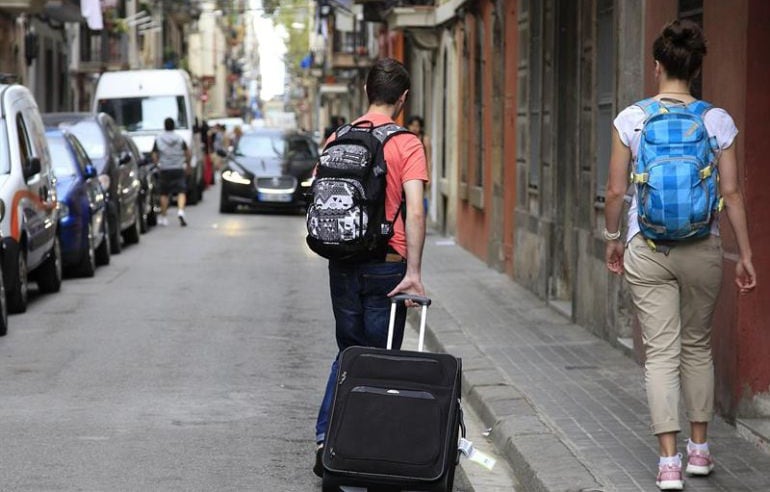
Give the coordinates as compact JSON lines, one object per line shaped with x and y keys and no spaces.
{"x":675,"y":284}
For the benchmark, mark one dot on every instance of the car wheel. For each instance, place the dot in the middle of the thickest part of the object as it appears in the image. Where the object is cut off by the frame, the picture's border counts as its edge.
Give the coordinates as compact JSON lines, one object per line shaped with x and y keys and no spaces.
{"x":131,"y":235}
{"x":143,"y":225}
{"x":3,"y":309}
{"x":50,"y":272}
{"x":225,"y":207}
{"x":17,"y":293}
{"x":103,"y":251}
{"x":115,"y":244}
{"x":87,"y":266}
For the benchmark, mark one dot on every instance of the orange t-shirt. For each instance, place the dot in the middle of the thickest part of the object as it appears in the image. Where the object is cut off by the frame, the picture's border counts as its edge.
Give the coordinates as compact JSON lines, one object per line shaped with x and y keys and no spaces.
{"x":405,"y":157}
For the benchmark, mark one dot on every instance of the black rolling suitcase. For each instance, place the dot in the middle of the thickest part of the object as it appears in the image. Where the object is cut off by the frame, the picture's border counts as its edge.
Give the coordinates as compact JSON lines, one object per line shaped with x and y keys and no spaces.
{"x":396,"y":418}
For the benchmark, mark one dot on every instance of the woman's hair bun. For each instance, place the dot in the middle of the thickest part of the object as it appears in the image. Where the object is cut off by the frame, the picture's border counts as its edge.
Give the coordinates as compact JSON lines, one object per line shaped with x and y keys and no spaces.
{"x":685,"y":34}
{"x":680,"y":48}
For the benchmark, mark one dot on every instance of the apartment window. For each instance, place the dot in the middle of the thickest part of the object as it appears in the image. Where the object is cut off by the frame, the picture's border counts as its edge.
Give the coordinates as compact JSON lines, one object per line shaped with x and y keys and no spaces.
{"x":693,"y":10}
{"x":479,"y":94}
{"x":535,"y":90}
{"x":605,"y":84}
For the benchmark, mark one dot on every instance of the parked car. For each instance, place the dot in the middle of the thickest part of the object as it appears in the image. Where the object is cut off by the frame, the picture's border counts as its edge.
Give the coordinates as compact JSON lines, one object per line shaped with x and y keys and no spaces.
{"x":28,"y":192}
{"x":83,"y":229}
{"x":117,"y":168}
{"x":269,"y":169}
{"x":149,"y":203}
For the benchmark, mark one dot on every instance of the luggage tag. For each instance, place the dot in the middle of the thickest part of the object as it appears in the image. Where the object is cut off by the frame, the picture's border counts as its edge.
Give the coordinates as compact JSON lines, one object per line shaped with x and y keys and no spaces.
{"x":473,"y":454}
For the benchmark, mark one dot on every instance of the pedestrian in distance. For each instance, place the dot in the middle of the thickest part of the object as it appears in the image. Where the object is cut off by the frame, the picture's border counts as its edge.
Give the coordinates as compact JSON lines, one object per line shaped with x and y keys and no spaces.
{"x":172,"y":156}
{"x":416,"y":125}
{"x":674,"y":271}
{"x":360,"y":290}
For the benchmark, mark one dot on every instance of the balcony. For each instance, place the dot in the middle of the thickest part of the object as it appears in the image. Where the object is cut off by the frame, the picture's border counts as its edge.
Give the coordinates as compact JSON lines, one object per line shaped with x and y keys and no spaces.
{"x":22,"y":6}
{"x":411,"y":14}
{"x":342,"y":61}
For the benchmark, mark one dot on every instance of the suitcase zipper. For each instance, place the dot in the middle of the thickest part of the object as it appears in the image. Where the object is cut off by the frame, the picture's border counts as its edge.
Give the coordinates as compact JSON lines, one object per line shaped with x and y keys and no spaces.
{"x":421,"y":395}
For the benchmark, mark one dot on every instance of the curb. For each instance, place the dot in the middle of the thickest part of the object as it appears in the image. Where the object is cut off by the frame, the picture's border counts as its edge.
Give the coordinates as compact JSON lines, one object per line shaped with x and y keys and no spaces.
{"x":521,"y":434}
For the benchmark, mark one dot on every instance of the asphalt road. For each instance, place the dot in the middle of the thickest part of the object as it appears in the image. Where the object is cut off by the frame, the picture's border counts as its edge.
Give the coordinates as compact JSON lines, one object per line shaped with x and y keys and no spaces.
{"x":195,"y":361}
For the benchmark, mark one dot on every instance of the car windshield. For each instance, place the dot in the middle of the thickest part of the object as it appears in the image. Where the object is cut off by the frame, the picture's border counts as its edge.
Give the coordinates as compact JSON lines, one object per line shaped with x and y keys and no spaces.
{"x":260,"y":145}
{"x":91,"y":137}
{"x":5,"y":162}
{"x":64,"y":163}
{"x":145,"y":113}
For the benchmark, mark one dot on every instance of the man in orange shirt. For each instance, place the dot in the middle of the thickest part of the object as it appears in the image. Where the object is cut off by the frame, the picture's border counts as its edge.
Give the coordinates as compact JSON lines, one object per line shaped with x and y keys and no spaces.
{"x":360,"y":291}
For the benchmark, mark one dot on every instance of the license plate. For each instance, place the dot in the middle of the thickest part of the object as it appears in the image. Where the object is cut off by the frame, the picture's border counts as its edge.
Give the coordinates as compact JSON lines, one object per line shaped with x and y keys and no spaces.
{"x":274,"y":197}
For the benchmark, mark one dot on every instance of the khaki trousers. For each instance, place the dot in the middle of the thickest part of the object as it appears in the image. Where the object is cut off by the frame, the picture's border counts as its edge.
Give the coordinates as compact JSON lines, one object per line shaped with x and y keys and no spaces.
{"x":674,"y":296}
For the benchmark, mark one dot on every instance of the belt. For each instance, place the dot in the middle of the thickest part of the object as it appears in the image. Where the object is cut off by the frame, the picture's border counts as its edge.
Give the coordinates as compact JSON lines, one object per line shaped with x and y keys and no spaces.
{"x":392,"y":256}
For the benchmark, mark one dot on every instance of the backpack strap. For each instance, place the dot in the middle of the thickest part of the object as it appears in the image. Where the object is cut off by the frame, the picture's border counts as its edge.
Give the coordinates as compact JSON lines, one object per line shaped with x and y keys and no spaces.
{"x":650,"y":106}
{"x":383,"y":133}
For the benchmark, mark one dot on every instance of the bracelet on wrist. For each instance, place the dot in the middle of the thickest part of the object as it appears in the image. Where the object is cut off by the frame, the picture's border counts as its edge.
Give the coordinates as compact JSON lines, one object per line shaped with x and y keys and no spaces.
{"x":611,"y":236}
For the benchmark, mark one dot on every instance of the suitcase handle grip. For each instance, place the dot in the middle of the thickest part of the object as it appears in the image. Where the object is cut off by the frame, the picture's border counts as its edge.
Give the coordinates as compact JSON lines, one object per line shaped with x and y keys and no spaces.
{"x":422,"y":301}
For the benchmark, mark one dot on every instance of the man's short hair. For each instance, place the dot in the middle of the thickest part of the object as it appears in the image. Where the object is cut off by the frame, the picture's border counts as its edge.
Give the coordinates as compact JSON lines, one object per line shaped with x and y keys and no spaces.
{"x":387,"y":80}
{"x":168,"y":124}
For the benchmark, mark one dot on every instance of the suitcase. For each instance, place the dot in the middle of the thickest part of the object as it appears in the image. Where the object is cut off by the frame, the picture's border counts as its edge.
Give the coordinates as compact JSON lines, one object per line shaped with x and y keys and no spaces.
{"x":396,"y":417}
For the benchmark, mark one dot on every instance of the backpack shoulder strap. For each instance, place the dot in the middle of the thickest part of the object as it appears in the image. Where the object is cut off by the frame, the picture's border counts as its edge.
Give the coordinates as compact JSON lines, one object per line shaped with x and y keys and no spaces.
{"x":383,"y":133}
{"x":700,"y":107}
{"x":650,"y":106}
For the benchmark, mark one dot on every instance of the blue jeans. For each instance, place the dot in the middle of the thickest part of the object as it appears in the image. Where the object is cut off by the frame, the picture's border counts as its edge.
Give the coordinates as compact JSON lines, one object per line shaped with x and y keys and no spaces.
{"x":361,"y":311}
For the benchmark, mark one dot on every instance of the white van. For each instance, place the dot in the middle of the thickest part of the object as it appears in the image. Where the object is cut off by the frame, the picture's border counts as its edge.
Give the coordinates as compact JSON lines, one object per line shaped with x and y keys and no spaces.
{"x":140,"y":100}
{"x":31,"y":247}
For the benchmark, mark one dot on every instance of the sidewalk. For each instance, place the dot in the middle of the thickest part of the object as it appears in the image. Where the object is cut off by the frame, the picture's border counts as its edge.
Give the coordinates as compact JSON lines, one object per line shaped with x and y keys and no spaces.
{"x":566,"y":409}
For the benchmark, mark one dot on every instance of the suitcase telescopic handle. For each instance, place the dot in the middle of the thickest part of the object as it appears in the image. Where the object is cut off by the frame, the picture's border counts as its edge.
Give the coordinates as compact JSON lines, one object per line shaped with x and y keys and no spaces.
{"x":424,"y":302}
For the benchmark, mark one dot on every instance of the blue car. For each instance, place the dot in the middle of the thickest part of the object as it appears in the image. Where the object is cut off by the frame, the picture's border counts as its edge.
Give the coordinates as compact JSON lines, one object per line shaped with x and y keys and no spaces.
{"x":83,"y":227}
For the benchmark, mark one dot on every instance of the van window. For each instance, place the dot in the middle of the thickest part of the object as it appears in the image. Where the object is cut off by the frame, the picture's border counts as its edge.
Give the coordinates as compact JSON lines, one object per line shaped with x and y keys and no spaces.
{"x":25,"y":152}
{"x":145,"y":113}
{"x":5,"y":160}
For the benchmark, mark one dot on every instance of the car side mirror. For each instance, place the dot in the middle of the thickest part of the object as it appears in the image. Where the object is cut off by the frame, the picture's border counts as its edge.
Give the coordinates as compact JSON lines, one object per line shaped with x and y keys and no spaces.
{"x":221,"y":152}
{"x":90,"y":171}
{"x":125,"y":158}
{"x":33,"y":167}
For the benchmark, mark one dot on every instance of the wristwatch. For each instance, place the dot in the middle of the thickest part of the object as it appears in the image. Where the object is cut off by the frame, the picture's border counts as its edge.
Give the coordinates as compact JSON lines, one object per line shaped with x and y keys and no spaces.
{"x":611,"y":236}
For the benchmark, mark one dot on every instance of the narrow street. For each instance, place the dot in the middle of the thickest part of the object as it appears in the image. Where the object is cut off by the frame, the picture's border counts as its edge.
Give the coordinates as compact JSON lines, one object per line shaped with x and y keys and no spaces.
{"x":194,"y":361}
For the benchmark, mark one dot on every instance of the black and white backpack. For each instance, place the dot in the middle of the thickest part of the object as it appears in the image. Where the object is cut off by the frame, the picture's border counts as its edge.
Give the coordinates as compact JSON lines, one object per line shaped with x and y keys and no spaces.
{"x":346,"y":210}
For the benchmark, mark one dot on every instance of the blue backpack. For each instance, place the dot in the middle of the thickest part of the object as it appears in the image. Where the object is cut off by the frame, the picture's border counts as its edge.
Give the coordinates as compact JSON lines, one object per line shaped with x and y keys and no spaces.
{"x":675,"y":172}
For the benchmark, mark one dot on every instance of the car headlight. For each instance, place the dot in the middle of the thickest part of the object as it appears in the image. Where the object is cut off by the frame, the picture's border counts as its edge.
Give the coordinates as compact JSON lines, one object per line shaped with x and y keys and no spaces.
{"x":235,"y":177}
{"x":308,"y":182}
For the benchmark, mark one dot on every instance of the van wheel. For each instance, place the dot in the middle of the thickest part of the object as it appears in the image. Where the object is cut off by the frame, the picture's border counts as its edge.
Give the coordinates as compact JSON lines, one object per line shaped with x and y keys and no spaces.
{"x":131,"y":235}
{"x":3,"y":309}
{"x":50,"y":272}
{"x":16,"y":295}
{"x":103,"y":251}
{"x":87,"y":266}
